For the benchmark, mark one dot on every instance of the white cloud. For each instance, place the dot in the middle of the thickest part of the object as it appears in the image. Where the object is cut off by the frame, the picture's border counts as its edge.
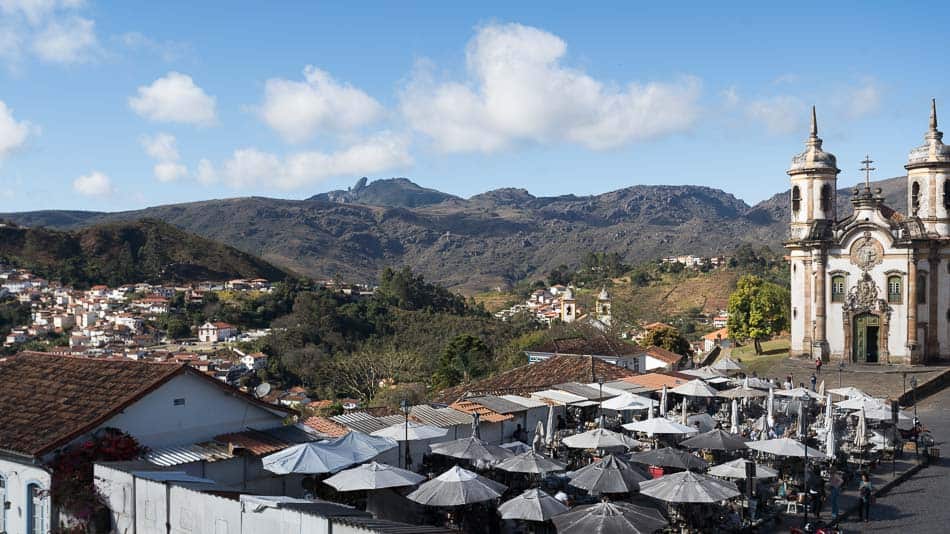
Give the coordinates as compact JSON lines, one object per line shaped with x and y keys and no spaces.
{"x":36,"y":10}
{"x":250,"y":167}
{"x":780,"y":114}
{"x":160,"y":146}
{"x":206,"y":173}
{"x":730,"y":97}
{"x":296,"y":110}
{"x":94,"y":184}
{"x":167,"y":50}
{"x":71,"y":40}
{"x":169,"y":171}
{"x":13,"y":133}
{"x":174,"y":98}
{"x":863,"y":100}
{"x":520,"y":91}
{"x":163,"y":148}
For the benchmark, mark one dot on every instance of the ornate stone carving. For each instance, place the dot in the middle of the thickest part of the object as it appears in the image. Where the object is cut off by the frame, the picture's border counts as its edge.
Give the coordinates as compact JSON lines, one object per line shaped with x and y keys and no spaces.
{"x":863,"y":297}
{"x":867,"y":252}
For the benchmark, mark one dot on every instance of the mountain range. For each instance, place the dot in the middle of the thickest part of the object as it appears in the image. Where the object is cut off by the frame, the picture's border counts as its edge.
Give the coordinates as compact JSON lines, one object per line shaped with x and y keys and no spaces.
{"x":491,"y":239}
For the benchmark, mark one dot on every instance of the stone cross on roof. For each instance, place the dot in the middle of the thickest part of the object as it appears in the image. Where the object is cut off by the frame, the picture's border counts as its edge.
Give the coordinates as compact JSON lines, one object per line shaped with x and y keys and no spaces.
{"x":867,"y":171}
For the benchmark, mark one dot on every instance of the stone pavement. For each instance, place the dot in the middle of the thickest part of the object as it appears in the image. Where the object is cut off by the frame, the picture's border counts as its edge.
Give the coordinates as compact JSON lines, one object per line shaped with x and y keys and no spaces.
{"x":874,"y":379}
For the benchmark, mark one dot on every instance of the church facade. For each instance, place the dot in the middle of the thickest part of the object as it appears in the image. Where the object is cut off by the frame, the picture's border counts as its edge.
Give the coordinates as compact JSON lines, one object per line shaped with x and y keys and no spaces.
{"x":873,"y":287}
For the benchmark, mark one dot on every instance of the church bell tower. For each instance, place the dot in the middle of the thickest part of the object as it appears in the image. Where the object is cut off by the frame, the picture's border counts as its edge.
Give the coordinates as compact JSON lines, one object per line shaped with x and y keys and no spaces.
{"x":928,"y":180}
{"x":814,"y":177}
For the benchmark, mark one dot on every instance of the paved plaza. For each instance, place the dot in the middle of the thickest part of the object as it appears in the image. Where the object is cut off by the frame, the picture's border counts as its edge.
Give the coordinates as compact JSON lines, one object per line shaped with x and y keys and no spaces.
{"x":876,"y":380}
{"x":919,"y":504}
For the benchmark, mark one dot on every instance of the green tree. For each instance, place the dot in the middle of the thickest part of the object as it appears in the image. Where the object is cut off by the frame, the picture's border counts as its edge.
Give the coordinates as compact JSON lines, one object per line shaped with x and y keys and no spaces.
{"x":464,"y":358}
{"x":757,"y":310}
{"x":668,"y":338}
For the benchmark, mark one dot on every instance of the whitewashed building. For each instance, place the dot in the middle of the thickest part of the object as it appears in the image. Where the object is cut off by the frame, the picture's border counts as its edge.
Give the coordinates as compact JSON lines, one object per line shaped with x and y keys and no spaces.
{"x":51,"y":402}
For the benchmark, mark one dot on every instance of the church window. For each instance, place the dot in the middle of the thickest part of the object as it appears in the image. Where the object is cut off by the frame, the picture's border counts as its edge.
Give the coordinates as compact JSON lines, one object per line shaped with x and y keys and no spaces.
{"x":915,"y":199}
{"x":796,"y":199}
{"x":922,"y":289}
{"x":946,"y":194}
{"x":794,"y":313}
{"x":894,"y":289}
{"x":837,"y":288}
{"x":826,"y":198}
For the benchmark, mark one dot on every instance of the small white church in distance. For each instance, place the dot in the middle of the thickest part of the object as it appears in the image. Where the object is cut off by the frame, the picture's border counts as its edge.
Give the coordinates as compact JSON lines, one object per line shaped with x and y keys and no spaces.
{"x":874,"y":286}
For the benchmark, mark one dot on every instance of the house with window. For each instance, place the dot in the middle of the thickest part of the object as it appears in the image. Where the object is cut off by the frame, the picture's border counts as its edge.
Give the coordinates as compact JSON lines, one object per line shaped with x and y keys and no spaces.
{"x":52,"y":402}
{"x":210,"y":332}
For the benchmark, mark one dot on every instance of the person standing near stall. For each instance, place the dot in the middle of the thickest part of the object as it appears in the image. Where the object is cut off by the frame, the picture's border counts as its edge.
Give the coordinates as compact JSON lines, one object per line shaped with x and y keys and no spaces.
{"x":834,"y":482}
{"x":866,"y":492}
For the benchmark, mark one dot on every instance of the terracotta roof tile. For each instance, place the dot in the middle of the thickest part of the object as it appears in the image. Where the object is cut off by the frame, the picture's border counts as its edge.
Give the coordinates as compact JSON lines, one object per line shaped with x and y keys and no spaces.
{"x":663,"y":354}
{"x":484,"y":413}
{"x":597,"y":345}
{"x":48,"y":400}
{"x":326,"y":426}
{"x":258,"y":443}
{"x":656,"y":381}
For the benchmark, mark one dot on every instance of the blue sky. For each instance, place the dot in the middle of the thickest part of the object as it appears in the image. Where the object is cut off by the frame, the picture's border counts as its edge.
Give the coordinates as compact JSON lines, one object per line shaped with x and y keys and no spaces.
{"x":122,"y":105}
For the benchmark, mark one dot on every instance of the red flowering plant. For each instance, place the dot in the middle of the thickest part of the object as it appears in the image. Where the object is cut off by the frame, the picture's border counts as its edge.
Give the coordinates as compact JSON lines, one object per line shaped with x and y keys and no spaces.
{"x":73,"y":488}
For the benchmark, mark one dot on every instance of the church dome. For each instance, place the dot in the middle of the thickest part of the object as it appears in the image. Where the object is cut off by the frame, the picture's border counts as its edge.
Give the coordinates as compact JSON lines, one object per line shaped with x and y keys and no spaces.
{"x":813,"y":158}
{"x":568,"y":293}
{"x":933,"y":150}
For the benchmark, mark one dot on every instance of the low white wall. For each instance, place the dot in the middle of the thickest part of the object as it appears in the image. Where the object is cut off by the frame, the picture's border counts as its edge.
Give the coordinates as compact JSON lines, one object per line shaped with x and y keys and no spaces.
{"x":17,"y":476}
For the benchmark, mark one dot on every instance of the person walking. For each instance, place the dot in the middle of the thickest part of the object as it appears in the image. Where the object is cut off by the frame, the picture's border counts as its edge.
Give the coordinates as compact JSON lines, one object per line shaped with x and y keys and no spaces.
{"x":866,"y":492}
{"x":814,"y":381}
{"x":818,"y":366}
{"x":834,"y":482}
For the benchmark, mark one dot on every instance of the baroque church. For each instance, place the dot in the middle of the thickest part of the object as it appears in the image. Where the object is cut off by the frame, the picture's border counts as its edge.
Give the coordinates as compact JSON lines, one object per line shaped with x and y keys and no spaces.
{"x":873,"y":287}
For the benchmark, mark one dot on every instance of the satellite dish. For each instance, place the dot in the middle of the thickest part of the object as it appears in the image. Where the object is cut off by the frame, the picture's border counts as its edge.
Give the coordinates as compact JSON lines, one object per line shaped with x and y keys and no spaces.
{"x":262,"y":390}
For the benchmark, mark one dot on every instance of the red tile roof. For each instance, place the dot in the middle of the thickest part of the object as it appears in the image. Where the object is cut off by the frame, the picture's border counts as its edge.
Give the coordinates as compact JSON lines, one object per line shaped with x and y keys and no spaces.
{"x":538,"y":376}
{"x":49,"y":400}
{"x":484,"y":413}
{"x":597,"y":345}
{"x":663,"y":355}
{"x":258,"y":443}
{"x":326,"y":426}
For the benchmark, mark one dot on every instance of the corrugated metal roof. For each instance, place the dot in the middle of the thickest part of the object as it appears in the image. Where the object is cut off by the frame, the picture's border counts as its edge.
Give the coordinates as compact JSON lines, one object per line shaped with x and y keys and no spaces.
{"x":291,"y":434}
{"x":440,"y":417}
{"x":390,"y":420}
{"x":185,"y":454}
{"x":558,"y":396}
{"x":390,"y":527}
{"x":524,"y":401}
{"x":360,"y":421}
{"x":497,"y":404}
{"x":576,"y":388}
{"x":608,"y":391}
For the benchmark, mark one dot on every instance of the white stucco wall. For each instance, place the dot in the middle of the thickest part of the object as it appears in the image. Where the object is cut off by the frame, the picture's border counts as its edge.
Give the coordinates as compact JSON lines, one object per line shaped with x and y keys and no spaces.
{"x":17,"y":476}
{"x":207,"y":411}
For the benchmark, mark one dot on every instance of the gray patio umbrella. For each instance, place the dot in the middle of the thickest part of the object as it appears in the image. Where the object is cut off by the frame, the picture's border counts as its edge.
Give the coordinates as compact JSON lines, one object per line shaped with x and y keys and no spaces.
{"x":610,"y":518}
{"x":742,"y":392}
{"x":530,"y":462}
{"x":456,"y":487}
{"x":717,"y":440}
{"x":689,"y":487}
{"x":532,"y":505}
{"x":785,"y":447}
{"x":373,"y":476}
{"x":607,"y":475}
{"x":600,"y":438}
{"x":736,"y":469}
{"x":669,"y":457}
{"x":327,"y":456}
{"x":471,"y":448}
